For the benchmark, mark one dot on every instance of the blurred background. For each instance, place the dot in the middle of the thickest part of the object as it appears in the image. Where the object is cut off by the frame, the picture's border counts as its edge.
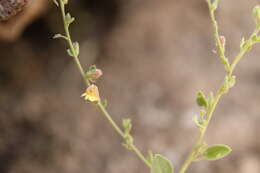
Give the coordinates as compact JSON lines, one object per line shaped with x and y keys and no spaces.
{"x":155,"y":55}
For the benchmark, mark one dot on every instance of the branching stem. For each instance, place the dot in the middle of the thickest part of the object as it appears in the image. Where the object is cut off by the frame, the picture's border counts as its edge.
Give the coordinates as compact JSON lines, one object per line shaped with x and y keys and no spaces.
{"x":192,"y":157}
{"x":229,"y":81}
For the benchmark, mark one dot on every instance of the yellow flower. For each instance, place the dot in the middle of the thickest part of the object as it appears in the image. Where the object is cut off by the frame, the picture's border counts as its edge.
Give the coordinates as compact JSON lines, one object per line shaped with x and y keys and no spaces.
{"x":91,"y":94}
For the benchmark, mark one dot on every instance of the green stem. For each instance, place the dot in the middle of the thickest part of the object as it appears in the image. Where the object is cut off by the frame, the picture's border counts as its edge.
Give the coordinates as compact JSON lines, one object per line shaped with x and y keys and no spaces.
{"x":88,"y":83}
{"x":69,"y":40}
{"x":110,"y":120}
{"x":230,"y":68}
{"x":122,"y":134}
{"x":195,"y":149}
{"x":242,"y":52}
{"x":220,"y":46}
{"x":140,"y":155}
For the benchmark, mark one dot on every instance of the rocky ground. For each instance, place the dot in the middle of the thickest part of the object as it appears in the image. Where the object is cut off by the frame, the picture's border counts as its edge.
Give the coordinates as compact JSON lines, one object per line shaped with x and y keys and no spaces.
{"x":155,"y":55}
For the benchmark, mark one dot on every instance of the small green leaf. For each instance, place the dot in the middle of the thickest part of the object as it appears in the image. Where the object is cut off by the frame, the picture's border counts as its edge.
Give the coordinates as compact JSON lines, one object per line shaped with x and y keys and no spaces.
{"x":104,"y":103}
{"x":225,"y":62}
{"x":92,"y":68}
{"x":161,"y":164}
{"x":201,"y":99}
{"x":76,"y":48}
{"x":211,"y":99}
{"x":247,"y":45}
{"x":232,"y":81}
{"x":200,"y":123}
{"x":127,"y":125}
{"x":203,"y":113}
{"x":229,"y":82}
{"x":216,"y":152}
{"x":242,"y":43}
{"x":60,"y":36}
{"x":70,"y":53}
{"x":69,"y":19}
{"x":90,"y":71}
{"x":255,"y":38}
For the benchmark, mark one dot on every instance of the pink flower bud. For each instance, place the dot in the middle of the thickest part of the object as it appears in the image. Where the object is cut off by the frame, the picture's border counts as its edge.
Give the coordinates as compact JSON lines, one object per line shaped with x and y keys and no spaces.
{"x":222,"y":40}
{"x":94,"y":74}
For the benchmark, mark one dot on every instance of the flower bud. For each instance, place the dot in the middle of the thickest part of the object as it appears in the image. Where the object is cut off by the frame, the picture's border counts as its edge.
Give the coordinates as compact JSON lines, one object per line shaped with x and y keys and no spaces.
{"x":222,"y":40}
{"x":95,"y":74}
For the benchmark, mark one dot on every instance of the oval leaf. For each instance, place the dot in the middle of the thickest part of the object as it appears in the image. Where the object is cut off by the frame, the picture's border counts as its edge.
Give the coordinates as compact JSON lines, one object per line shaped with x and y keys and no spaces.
{"x":216,"y":152}
{"x":201,"y":99}
{"x":161,"y":164}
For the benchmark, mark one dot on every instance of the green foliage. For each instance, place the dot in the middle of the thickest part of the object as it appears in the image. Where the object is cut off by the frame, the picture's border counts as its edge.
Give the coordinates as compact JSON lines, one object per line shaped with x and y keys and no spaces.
{"x":68,"y":19}
{"x":216,"y":152}
{"x":201,"y":99}
{"x":200,"y":122}
{"x":76,"y":48}
{"x":161,"y":164}
{"x":228,"y":83}
{"x":209,"y":105}
{"x":90,"y":71}
{"x":93,"y":73}
{"x":104,"y":102}
{"x":256,"y":13}
{"x":127,"y":125}
{"x":60,"y":36}
{"x":70,"y":52}
{"x":200,"y":151}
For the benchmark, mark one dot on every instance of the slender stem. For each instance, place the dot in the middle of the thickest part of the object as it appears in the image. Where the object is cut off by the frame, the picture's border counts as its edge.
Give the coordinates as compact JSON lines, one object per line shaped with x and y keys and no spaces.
{"x":140,"y":155}
{"x":192,"y":157}
{"x":242,"y":52}
{"x":69,"y":40}
{"x":121,"y":133}
{"x":219,"y":44}
{"x":88,"y":83}
{"x":195,"y":149}
{"x":111,"y":121}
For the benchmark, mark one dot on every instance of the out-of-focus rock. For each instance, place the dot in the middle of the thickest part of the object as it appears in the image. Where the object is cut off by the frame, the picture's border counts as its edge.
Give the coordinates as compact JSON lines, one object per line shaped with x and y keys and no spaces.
{"x":11,"y":29}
